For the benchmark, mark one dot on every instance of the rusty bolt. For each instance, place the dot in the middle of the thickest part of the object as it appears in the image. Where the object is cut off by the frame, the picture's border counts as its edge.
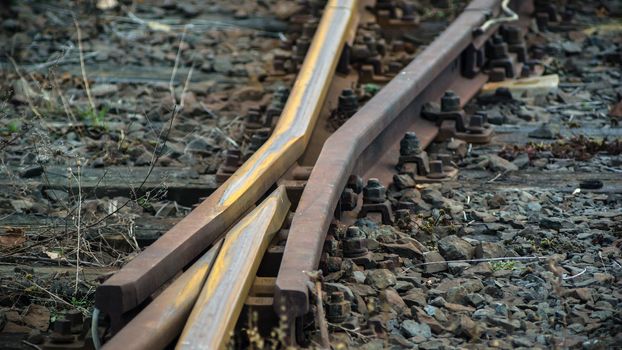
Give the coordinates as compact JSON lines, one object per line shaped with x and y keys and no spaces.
{"x":253,"y":117}
{"x":348,"y":103}
{"x":450,"y":102}
{"x":348,"y":200}
{"x":542,"y":20}
{"x":499,"y":48}
{"x":338,"y":309}
{"x":394,"y":67}
{"x":355,"y":182}
{"x":62,"y":332}
{"x":381,"y":47}
{"x":281,"y":94}
{"x":476,"y":123}
{"x":397,"y":46}
{"x":551,"y":10}
{"x":276,"y":104}
{"x":374,"y":192}
{"x":360,"y":51}
{"x":525,"y":71}
{"x":444,"y":158}
{"x":62,"y":326}
{"x":409,"y":145}
{"x":232,"y":158}
{"x":514,"y":36}
{"x":496,"y":74}
{"x":568,"y":15}
{"x":537,"y":51}
{"x":354,"y":243}
{"x":302,"y":44}
{"x":308,"y":29}
{"x":286,"y":44}
{"x":74,"y":316}
{"x":229,"y":166}
{"x":408,"y":13}
{"x":278,"y":63}
{"x":436,"y":170}
{"x":258,"y":139}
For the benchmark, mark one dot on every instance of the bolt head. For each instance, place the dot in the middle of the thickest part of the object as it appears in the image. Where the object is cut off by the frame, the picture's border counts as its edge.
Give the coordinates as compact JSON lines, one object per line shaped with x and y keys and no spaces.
{"x":476,"y":121}
{"x":445,"y":159}
{"x":436,"y":169}
{"x":62,"y":326}
{"x":336,"y":297}
{"x":354,"y":247}
{"x":355,"y":183}
{"x":353,"y":232}
{"x":409,"y":145}
{"x":450,"y":102}
{"x":348,"y":200}
{"x":500,"y":50}
{"x":374,"y":192}
{"x":337,"y":309}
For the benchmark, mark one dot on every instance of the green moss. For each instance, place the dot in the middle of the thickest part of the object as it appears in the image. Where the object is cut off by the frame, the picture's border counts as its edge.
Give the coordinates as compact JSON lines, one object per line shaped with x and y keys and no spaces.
{"x":503,"y":265}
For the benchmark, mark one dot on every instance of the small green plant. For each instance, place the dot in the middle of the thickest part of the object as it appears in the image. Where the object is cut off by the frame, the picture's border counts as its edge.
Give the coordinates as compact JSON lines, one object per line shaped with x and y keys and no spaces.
{"x":503,"y":265}
{"x":144,"y":203}
{"x":14,"y":126}
{"x":95,"y":117}
{"x":54,"y":315}
{"x":546,"y":243}
{"x":80,"y":303}
{"x":371,"y":89}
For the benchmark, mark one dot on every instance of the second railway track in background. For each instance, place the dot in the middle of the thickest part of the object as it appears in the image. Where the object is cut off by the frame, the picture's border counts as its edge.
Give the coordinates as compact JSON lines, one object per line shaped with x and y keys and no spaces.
{"x":249,"y":251}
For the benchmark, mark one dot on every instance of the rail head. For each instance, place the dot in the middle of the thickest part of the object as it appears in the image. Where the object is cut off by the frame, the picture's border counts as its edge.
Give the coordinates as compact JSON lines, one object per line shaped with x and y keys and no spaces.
{"x":142,"y":276}
{"x":217,"y":309}
{"x":342,"y":151}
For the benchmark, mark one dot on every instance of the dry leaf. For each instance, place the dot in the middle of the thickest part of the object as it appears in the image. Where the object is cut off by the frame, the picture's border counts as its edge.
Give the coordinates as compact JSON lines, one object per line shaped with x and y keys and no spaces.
{"x":153,"y":25}
{"x":107,"y":4}
{"x":14,"y":236}
{"x":52,"y":255}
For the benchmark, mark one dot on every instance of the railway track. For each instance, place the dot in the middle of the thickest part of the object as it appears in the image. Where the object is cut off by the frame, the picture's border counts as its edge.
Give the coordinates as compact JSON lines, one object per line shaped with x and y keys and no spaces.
{"x":372,"y":132}
{"x":250,"y":250}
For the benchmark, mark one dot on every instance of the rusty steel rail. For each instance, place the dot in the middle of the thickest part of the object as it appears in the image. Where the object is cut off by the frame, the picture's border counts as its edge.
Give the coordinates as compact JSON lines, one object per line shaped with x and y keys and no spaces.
{"x":142,"y":276}
{"x":368,"y":142}
{"x":214,"y":315}
{"x":163,"y":319}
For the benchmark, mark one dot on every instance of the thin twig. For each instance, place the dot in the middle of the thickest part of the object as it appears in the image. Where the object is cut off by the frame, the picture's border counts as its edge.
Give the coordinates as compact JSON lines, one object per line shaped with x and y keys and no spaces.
{"x":30,"y":103}
{"x":600,"y":255}
{"x":78,"y":225}
{"x":352,"y":331}
{"x":494,"y":178}
{"x":34,"y":346}
{"x":174,"y":73}
{"x":159,"y":149}
{"x":83,"y":69}
{"x":565,"y":277}
{"x":487,"y":260}
{"x":56,"y":297}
